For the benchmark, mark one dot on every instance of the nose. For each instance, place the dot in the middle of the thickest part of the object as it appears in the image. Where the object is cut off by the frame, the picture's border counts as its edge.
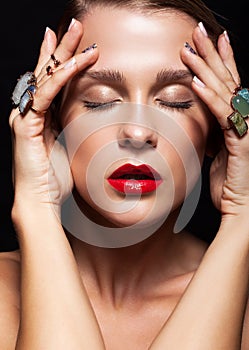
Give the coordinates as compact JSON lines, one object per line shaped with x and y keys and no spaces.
{"x":136,"y":136}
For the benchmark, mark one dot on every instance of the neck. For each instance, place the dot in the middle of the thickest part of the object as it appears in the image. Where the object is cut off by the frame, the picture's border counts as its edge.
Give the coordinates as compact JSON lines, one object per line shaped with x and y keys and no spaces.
{"x":117,"y":272}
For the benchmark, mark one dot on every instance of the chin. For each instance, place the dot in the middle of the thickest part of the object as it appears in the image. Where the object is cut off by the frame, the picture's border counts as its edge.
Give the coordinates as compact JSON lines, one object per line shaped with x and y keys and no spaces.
{"x":138,"y":217}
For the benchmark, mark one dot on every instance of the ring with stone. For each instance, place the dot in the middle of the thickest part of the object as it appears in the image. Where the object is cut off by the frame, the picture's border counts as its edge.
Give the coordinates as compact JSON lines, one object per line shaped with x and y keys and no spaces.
{"x":56,"y":62}
{"x":22,"y":96}
{"x":49,"y":70}
{"x":240,"y":105}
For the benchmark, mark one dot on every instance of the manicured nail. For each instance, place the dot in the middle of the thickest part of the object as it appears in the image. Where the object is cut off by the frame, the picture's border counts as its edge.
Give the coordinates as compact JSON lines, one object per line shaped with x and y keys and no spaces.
{"x":203,"y":29}
{"x":198,"y":82}
{"x":92,"y":47}
{"x":70,"y":63}
{"x":71,"y":24}
{"x":189,"y":47}
{"x":226,"y":36}
{"x":46,"y":31}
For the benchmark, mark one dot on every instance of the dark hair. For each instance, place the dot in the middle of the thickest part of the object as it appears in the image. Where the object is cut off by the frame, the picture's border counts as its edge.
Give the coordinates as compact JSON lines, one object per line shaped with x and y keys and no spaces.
{"x":194,"y":8}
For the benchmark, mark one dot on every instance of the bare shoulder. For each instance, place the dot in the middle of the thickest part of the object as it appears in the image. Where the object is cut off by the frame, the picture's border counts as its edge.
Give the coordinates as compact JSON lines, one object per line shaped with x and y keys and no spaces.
{"x":245,"y":335}
{"x":10,"y":256}
{"x":10,"y":270}
{"x":9,"y":298}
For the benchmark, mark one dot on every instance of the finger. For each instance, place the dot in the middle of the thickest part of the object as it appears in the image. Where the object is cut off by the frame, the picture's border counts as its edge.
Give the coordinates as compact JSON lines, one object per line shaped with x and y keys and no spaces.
{"x":48,"y":45}
{"x":227,"y":56}
{"x":210,"y":55}
{"x":206,"y":74}
{"x":70,"y":40}
{"x":47,"y":91}
{"x":49,"y":134}
{"x":64,"y":50}
{"x":216,"y":104}
{"x":12,"y":116}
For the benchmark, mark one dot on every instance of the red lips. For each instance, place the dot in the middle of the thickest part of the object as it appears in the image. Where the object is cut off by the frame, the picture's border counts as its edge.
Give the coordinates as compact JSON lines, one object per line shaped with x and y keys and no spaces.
{"x":131,"y":179}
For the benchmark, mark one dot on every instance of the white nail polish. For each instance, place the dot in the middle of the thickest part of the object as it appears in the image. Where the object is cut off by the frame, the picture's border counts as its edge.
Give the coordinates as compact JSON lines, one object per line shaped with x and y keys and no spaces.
{"x":46,"y":31}
{"x":203,"y":29}
{"x":70,"y":63}
{"x":71,"y":23}
{"x":198,"y":82}
{"x":226,"y":36}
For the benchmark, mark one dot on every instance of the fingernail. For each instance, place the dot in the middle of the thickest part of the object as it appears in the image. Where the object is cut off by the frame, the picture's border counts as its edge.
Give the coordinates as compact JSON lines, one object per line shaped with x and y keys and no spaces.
{"x":71,"y":24}
{"x":92,"y":47}
{"x":189,"y":47}
{"x":198,"y":82}
{"x":70,"y":63}
{"x":226,"y":36}
{"x":203,"y":29}
{"x":46,"y":31}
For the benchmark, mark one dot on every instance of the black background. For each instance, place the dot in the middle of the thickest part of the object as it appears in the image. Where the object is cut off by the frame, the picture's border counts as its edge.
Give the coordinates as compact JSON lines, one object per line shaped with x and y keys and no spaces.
{"x":22,"y":28}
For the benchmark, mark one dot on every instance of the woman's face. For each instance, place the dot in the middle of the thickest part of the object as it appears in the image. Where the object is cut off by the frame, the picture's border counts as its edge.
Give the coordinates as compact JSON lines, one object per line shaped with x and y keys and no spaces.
{"x":136,"y":131}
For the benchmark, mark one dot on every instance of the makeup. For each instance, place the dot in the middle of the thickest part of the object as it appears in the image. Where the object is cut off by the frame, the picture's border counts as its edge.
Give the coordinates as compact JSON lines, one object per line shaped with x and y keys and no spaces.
{"x":131,"y":179}
{"x":92,"y":47}
{"x":189,"y":47}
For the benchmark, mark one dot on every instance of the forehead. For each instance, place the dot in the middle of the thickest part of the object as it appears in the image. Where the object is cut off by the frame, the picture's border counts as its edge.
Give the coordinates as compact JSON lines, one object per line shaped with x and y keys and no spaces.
{"x":124,"y":36}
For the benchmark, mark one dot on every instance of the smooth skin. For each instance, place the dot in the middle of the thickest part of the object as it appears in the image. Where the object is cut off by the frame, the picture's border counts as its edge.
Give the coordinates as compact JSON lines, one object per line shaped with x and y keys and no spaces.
{"x":169,"y":291}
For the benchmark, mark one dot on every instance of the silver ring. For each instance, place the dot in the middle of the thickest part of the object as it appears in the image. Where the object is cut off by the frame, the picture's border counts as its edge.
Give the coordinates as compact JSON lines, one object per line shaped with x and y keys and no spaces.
{"x":22,"y":96}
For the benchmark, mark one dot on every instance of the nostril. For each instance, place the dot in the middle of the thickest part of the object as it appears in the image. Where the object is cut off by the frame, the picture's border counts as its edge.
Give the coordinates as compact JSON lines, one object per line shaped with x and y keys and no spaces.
{"x":151,"y":143}
{"x":137,"y":137}
{"x":126,"y":142}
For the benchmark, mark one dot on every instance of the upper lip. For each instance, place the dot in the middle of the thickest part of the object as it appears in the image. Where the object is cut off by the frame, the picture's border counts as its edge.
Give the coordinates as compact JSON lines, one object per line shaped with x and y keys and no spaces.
{"x":142,"y":170}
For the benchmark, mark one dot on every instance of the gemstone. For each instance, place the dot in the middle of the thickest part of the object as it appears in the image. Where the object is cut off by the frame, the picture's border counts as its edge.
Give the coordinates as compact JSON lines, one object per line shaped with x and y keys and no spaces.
{"x":25,"y":102}
{"x":23,"y":83}
{"x":238,"y":123}
{"x":240,"y":102}
{"x":244,"y":93}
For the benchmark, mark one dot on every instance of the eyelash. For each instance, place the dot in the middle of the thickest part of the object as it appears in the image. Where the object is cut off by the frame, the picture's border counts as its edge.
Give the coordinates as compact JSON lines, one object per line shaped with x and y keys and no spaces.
{"x":163,"y":104}
{"x":93,"y":105}
{"x":175,"y":105}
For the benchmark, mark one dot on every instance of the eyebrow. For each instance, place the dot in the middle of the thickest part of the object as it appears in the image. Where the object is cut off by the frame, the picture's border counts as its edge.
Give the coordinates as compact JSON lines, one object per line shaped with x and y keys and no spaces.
{"x":115,"y":76}
{"x":173,"y":75}
{"x":105,"y":75}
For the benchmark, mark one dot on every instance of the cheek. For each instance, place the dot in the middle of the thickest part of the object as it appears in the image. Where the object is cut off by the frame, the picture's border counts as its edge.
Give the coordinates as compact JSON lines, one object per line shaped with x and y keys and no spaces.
{"x":198,"y":129}
{"x":174,"y":160}
{"x":90,"y":164}
{"x":83,"y":158}
{"x":184,"y":156}
{"x":78,"y":168}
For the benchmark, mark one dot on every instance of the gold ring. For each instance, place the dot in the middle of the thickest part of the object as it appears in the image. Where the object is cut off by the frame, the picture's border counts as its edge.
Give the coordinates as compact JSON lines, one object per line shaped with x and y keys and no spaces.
{"x":37,"y":111}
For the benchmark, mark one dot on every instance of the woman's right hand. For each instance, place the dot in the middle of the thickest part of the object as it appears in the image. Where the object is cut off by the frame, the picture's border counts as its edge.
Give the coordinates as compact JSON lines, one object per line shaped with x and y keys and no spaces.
{"x":35,"y":180}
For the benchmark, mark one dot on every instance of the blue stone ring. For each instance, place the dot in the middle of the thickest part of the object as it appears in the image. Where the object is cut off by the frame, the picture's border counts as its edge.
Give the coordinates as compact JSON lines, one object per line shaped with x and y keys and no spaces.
{"x":240,"y":105}
{"x":22,"y":96}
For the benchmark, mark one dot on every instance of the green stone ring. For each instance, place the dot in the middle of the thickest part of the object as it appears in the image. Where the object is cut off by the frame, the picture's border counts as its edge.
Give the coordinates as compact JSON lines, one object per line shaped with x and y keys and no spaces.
{"x":240,"y":105}
{"x":238,"y":123}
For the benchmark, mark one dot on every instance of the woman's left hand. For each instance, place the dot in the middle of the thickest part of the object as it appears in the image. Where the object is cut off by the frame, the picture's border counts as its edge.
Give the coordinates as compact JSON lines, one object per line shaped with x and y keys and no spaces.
{"x":215,"y":82}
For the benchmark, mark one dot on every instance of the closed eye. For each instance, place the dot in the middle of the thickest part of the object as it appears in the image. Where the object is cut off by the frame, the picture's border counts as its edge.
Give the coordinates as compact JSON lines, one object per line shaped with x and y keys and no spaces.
{"x":101,"y":105}
{"x":164,"y":104}
{"x":175,"y":105}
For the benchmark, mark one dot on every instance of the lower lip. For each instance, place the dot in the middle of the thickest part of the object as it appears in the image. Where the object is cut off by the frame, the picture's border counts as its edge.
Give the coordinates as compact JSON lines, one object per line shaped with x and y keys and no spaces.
{"x":134,"y":186}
